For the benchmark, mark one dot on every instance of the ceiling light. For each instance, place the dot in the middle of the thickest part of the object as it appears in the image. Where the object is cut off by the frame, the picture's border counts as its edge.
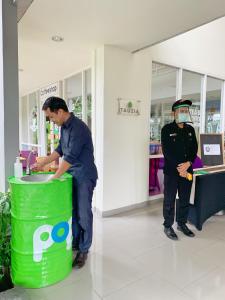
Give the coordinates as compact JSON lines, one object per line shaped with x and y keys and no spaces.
{"x":57,"y":38}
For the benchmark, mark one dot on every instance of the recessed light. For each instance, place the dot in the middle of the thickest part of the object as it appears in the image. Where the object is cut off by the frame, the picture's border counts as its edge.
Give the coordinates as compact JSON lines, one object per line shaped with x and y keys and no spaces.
{"x":57,"y":38}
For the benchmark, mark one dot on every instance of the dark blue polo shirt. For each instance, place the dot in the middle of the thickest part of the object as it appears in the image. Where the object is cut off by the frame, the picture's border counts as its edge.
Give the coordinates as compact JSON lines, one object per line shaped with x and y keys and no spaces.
{"x":76,"y":147}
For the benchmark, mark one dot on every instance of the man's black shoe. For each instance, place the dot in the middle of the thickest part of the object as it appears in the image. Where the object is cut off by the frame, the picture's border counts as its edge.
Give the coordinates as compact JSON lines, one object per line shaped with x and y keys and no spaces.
{"x":80,"y":260}
{"x":170,"y":233}
{"x":183,"y":228}
{"x":75,"y":248}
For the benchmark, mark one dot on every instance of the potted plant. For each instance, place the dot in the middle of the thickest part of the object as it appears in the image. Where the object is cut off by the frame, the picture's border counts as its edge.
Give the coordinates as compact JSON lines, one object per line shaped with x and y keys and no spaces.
{"x":5,"y":248}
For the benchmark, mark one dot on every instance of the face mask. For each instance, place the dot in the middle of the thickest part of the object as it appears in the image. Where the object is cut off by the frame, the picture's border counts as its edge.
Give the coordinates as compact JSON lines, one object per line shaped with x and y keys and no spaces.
{"x":183,"y":118}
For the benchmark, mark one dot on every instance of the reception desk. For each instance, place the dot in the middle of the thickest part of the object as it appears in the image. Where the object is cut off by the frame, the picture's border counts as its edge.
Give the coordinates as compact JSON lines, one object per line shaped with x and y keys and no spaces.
{"x":208,"y":194}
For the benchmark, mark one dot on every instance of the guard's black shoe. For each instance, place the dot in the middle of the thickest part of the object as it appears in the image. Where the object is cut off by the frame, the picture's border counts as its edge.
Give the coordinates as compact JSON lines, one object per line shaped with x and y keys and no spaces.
{"x":183,"y":228}
{"x":169,"y":232}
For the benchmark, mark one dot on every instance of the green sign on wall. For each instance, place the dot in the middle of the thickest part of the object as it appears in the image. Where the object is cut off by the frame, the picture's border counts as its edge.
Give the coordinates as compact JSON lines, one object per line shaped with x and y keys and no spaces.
{"x":128,"y":107}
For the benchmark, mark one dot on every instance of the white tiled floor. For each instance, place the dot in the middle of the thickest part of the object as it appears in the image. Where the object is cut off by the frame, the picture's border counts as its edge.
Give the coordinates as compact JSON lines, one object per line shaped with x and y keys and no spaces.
{"x":132,"y":259}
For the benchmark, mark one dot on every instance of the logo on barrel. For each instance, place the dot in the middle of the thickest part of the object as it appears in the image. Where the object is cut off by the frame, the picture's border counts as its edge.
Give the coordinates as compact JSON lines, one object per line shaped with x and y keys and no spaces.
{"x":54,"y":235}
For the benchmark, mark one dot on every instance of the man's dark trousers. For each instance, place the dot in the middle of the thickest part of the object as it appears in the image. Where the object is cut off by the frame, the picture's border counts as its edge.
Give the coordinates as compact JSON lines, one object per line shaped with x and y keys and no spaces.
{"x":82,"y":221}
{"x":172,"y":185}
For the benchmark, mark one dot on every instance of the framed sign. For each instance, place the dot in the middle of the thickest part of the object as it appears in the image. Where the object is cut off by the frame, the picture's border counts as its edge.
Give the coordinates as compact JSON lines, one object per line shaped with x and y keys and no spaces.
{"x":48,"y":141}
{"x":128,"y":107}
{"x":212,"y":149}
{"x":51,"y":90}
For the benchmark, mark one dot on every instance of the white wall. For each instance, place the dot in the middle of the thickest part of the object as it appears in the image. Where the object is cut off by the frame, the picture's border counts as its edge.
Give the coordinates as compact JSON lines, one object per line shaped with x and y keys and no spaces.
{"x":121,"y":141}
{"x":200,"y":50}
{"x":98,"y":121}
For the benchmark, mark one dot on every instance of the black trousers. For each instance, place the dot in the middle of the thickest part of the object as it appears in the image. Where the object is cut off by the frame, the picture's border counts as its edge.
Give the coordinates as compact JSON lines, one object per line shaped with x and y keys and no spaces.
{"x":82,"y":221}
{"x":172,"y":185}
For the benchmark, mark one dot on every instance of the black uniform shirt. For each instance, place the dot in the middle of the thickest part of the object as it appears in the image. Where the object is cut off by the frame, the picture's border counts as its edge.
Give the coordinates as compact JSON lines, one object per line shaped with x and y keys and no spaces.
{"x":179,"y":145}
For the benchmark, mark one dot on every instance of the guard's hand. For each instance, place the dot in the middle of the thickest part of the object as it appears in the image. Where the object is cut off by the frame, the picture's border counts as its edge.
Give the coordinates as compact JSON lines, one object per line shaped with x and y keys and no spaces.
{"x":183,"y":174}
{"x":183,"y":167}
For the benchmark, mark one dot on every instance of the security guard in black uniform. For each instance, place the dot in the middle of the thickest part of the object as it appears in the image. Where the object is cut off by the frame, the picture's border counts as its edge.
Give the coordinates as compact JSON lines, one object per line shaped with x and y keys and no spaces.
{"x":179,"y":147}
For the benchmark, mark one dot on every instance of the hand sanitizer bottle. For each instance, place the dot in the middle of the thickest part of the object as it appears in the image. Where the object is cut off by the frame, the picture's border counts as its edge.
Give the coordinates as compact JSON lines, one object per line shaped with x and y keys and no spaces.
{"x":18,"y":168}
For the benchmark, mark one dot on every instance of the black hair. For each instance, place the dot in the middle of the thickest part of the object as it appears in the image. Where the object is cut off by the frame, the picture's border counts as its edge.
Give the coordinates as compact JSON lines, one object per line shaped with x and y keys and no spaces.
{"x":54,"y":104}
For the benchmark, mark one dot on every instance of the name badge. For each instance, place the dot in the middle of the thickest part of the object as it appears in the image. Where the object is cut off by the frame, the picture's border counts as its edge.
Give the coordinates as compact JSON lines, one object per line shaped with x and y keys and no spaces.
{"x":173,"y":134}
{"x":190,"y":134}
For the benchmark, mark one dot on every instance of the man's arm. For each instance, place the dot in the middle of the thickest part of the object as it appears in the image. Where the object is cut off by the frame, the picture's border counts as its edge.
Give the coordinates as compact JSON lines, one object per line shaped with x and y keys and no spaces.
{"x":63,"y":168}
{"x":166,"y":147}
{"x":182,"y":168}
{"x":75,"y":147}
{"x":59,"y":149}
{"x":70,"y":156}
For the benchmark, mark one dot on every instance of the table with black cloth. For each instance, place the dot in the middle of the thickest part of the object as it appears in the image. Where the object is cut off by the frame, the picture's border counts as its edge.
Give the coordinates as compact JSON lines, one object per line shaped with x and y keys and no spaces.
{"x":209,"y":195}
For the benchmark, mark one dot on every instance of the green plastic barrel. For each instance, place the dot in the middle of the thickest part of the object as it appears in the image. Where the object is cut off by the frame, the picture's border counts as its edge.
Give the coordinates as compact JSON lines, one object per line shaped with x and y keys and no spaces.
{"x":41,"y":231}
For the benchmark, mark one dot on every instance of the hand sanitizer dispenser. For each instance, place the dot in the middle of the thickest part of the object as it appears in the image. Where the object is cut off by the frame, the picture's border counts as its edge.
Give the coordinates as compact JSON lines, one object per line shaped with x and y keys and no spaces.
{"x":18,"y":168}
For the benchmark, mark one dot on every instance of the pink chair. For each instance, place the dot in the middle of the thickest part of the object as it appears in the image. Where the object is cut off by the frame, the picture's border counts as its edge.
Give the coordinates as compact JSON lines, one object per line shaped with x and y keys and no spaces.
{"x":197,"y":164}
{"x":153,"y":176}
{"x":25,"y":154}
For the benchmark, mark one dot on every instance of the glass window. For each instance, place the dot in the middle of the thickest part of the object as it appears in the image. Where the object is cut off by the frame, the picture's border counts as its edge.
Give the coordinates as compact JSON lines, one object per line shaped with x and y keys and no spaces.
{"x":163,"y":95}
{"x":213,"y":104}
{"x":24,"y":120}
{"x":73,"y":89}
{"x":191,"y":90}
{"x":88,"y":96}
{"x":33,"y":118}
{"x":52,"y":136}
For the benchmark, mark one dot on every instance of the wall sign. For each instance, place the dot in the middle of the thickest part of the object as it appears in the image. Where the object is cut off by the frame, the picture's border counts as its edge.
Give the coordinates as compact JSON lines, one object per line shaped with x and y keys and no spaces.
{"x":128,"y":107}
{"x":212,"y":149}
{"x":49,"y":91}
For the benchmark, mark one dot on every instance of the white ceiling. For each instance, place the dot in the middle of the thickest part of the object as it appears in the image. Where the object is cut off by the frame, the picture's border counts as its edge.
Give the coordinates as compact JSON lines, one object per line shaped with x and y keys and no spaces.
{"x":87,"y":24}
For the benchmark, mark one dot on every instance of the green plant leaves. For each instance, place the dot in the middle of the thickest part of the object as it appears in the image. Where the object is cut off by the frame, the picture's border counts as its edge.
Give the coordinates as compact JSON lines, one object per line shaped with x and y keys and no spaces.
{"x":5,"y":232}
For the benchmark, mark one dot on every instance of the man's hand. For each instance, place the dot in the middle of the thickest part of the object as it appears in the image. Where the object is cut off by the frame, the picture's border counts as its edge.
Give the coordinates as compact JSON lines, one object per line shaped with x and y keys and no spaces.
{"x":37,"y":167}
{"x":47,"y":160}
{"x":183,"y":167}
{"x":63,"y":167}
{"x":54,"y":176}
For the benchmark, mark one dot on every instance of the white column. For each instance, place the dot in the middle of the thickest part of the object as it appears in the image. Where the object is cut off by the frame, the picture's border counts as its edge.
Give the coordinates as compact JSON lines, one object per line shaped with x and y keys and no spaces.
{"x":98,"y":121}
{"x":179,"y":84}
{"x":222,"y":110}
{"x":203,"y":103}
{"x":93,"y":111}
{"x":9,"y":98}
{"x":122,"y":142}
{"x":84,"y":98}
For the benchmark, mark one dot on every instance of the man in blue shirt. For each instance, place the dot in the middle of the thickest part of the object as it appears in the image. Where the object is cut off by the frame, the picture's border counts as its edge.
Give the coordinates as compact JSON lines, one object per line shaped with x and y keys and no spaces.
{"x":76,"y":148}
